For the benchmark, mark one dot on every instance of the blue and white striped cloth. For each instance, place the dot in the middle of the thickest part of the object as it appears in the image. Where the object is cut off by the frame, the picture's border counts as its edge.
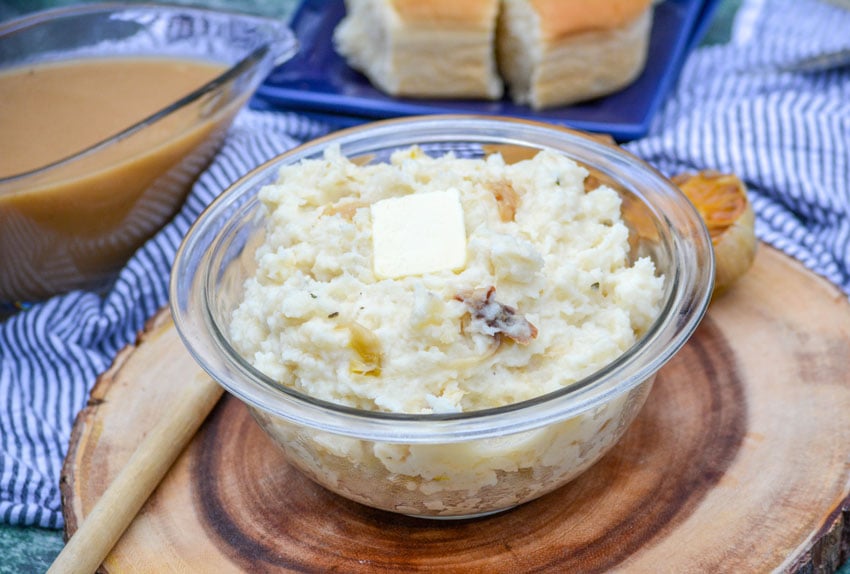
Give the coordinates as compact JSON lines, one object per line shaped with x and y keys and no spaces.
{"x":736,"y":109}
{"x":51,"y":355}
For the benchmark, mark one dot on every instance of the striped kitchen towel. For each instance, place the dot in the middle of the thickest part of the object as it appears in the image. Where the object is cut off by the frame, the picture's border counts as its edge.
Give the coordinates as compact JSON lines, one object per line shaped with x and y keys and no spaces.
{"x":754,"y":107}
{"x":741,"y":107}
{"x":51,"y":354}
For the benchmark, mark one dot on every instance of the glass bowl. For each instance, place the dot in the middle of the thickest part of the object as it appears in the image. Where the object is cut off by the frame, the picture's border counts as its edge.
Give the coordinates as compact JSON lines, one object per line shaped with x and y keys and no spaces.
{"x":449,"y":465}
{"x":73,"y":223}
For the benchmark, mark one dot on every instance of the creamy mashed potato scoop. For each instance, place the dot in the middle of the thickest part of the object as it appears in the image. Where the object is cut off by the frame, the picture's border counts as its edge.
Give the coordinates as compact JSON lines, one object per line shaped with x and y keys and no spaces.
{"x":435,"y":285}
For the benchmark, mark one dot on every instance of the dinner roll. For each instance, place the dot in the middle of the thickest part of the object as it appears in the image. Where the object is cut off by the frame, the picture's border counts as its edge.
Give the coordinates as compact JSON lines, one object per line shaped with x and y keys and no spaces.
{"x":428,"y":49}
{"x":558,"y":52}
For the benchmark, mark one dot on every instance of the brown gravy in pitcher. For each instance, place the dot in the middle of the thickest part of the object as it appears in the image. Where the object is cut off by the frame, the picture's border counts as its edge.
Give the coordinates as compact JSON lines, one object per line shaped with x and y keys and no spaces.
{"x":75,"y":223}
{"x":50,"y":112}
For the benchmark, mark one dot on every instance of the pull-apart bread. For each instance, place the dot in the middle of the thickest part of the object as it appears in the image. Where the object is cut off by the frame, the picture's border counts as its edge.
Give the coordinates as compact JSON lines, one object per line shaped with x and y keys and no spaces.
{"x":423,"y":48}
{"x":558,"y":52}
{"x":549,"y":52}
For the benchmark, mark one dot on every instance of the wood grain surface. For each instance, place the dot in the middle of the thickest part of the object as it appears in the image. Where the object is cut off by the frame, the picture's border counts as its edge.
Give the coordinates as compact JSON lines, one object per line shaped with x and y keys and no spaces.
{"x":739,"y":462}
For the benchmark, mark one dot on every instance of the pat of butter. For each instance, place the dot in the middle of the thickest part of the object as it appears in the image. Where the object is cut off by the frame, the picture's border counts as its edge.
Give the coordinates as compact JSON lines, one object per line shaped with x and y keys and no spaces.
{"x":417,"y":234}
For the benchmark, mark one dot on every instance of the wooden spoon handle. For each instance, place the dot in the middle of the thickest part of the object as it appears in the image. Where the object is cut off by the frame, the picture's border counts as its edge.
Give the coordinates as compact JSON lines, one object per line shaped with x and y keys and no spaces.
{"x":123,"y":499}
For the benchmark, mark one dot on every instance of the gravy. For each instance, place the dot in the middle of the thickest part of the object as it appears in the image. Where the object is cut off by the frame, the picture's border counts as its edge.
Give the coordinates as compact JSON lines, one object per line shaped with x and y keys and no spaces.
{"x":74,"y":223}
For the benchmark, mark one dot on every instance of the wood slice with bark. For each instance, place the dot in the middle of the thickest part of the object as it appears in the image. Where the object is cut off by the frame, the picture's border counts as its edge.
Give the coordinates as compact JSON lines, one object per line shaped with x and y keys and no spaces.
{"x":739,"y":462}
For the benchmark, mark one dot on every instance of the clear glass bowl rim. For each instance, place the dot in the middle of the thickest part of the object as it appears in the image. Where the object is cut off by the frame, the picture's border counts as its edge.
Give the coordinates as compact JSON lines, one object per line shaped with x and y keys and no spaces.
{"x":279,"y":45}
{"x":681,"y":314}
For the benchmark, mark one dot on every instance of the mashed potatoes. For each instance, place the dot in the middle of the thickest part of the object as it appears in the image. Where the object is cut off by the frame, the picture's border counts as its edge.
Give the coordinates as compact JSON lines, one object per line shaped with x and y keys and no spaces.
{"x":547,"y":295}
{"x":540,"y":249}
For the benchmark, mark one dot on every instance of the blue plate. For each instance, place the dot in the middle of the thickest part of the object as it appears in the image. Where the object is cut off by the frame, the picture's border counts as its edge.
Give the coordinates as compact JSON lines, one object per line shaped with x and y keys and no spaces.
{"x":319,"y":83}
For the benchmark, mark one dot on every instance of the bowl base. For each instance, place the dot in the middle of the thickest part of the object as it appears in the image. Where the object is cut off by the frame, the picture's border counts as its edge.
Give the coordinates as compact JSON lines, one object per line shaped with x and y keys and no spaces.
{"x":462,"y":516}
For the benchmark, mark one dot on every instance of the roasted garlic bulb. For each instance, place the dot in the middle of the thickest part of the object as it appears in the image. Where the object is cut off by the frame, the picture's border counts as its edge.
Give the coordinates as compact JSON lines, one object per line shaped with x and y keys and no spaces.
{"x":721,"y":200}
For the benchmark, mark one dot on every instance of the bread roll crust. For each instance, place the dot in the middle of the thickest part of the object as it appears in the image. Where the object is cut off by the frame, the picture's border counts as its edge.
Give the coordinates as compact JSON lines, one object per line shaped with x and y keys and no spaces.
{"x":455,"y":13}
{"x":561,"y":18}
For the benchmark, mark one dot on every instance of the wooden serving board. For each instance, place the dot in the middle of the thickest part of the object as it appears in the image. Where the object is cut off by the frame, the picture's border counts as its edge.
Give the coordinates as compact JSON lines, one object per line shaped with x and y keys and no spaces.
{"x":739,"y":462}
